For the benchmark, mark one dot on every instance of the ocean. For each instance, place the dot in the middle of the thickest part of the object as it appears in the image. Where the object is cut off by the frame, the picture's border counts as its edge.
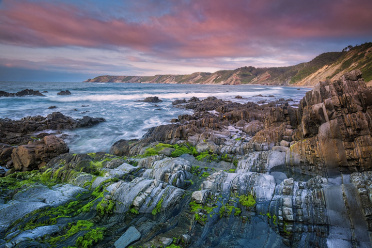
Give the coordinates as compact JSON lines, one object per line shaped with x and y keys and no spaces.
{"x":120,"y":104}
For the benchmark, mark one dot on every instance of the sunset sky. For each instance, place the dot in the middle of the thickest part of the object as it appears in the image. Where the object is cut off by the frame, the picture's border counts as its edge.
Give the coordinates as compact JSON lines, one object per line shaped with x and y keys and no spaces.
{"x":69,"y":40}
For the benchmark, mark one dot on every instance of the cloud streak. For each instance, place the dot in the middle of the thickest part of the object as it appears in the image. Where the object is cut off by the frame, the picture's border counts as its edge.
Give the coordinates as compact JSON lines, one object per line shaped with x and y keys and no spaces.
{"x":189,"y":30}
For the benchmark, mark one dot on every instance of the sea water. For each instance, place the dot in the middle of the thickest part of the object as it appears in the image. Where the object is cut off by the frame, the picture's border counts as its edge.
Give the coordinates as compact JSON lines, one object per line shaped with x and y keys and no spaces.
{"x":120,"y":104}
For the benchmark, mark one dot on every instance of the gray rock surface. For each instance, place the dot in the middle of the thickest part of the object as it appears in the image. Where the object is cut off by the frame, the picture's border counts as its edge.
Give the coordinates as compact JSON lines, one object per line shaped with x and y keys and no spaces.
{"x":131,"y":235}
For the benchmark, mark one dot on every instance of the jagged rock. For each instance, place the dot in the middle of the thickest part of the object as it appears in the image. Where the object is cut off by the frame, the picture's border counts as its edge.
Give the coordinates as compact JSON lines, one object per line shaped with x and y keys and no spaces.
{"x":64,"y":93}
{"x":26,"y":92}
{"x":144,"y":194}
{"x":20,"y":131}
{"x":38,"y":153}
{"x":170,"y":170}
{"x":253,"y":127}
{"x":335,"y":130}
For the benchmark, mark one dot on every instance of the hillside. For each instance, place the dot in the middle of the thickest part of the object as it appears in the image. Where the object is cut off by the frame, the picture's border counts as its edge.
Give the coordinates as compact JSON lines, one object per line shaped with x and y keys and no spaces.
{"x":329,"y":65}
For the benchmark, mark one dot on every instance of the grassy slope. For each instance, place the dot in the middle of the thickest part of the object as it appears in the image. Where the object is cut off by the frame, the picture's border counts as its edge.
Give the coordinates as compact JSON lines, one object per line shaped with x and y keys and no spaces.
{"x":327,"y":65}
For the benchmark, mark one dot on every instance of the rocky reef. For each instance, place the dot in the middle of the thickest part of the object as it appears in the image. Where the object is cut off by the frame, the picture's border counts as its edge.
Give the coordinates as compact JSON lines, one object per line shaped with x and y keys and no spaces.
{"x":26,"y":92}
{"x":229,"y":175}
{"x":25,"y":146}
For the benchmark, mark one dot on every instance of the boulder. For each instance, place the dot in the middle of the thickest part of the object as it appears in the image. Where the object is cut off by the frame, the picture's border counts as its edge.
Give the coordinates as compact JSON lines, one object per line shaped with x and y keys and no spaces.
{"x":38,"y":153}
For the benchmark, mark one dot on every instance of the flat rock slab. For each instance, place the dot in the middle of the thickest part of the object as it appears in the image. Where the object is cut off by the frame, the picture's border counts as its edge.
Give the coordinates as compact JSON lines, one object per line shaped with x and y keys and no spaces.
{"x":131,"y":235}
{"x":33,"y":198}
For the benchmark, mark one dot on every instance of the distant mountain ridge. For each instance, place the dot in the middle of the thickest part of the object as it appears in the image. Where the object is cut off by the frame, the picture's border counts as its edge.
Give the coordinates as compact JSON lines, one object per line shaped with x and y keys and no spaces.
{"x":330,"y":65}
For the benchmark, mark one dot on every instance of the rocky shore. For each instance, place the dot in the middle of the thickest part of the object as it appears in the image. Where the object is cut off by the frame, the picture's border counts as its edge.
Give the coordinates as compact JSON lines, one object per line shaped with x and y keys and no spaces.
{"x":29,"y":143}
{"x":229,"y":175}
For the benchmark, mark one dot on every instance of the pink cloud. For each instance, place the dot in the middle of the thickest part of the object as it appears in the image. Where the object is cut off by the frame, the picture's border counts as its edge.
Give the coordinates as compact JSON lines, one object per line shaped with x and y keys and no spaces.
{"x":195,"y":29}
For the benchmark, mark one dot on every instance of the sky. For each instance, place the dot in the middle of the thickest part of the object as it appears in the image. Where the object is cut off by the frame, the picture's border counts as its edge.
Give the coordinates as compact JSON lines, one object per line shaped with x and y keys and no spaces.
{"x":69,"y":40}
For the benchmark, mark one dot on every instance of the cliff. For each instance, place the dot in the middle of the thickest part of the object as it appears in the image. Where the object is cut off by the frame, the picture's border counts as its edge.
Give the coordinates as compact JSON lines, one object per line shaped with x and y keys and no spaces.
{"x":329,"y":65}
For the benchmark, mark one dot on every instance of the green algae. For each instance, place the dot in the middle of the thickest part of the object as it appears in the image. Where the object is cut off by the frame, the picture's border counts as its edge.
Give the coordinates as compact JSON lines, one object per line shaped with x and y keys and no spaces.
{"x":247,"y":200}
{"x":157,"y":208}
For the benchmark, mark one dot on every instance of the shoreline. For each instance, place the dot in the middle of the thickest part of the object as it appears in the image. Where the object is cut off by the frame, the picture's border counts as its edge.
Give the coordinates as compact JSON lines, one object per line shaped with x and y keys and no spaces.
{"x":225,"y":169}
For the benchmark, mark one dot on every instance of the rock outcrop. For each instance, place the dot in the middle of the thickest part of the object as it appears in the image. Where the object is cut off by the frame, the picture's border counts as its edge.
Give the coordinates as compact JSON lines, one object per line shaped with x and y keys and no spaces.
{"x":36,"y":154}
{"x":26,"y":92}
{"x":22,"y":133}
{"x":335,"y":129}
{"x":19,"y":131}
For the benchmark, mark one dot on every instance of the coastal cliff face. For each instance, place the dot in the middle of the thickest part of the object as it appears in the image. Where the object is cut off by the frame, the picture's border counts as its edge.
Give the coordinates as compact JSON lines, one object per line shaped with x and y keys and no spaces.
{"x":330,"y":65}
{"x":335,"y":128}
{"x":229,"y":175}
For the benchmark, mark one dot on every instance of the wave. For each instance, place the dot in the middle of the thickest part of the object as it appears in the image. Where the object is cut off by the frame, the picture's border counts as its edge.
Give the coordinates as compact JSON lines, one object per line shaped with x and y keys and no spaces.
{"x":169,"y":96}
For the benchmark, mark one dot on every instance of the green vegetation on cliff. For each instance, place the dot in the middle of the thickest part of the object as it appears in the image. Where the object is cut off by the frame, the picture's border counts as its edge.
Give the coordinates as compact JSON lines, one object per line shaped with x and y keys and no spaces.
{"x":329,"y":64}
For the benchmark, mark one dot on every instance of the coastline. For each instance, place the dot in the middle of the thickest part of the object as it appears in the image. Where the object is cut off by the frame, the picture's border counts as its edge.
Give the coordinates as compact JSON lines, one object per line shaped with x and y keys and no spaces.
{"x":226,"y":163}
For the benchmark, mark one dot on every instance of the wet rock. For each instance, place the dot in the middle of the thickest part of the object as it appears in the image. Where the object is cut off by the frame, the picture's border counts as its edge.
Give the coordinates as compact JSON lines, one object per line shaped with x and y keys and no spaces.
{"x":87,"y":121}
{"x":64,"y":93}
{"x":20,"y":131}
{"x":170,"y":170}
{"x":29,"y":92}
{"x":146,"y":195}
{"x":36,"y":233}
{"x":176,"y":102}
{"x":52,"y":107}
{"x":26,"y":92}
{"x":152,"y":99}
{"x":36,"y":197}
{"x":194,"y":99}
